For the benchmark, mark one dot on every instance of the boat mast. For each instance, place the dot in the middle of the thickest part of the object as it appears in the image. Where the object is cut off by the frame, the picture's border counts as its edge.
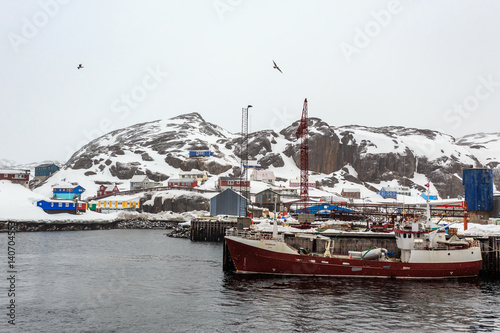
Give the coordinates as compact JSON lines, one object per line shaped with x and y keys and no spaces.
{"x":428,"y":212}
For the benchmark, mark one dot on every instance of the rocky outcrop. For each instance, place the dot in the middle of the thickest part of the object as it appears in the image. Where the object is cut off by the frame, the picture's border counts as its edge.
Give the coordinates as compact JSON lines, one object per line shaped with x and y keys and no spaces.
{"x":125,"y":170}
{"x":211,"y":167}
{"x":271,"y":159}
{"x":178,"y":204}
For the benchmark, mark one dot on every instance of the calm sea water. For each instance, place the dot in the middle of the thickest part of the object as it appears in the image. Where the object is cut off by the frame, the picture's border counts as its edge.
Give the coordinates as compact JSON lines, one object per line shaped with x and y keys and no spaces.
{"x":143,"y":281}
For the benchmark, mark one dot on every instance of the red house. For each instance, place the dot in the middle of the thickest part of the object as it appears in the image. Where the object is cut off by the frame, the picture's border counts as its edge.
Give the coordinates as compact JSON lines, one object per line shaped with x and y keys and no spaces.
{"x":107,"y":189}
{"x":16,"y":176}
{"x":81,"y":206}
{"x":232,"y":183}
{"x":184,"y":182}
{"x":353,"y":193}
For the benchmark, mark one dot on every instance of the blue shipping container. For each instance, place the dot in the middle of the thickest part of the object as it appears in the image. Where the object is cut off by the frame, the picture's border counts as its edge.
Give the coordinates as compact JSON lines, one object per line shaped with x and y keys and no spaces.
{"x":478,"y":186}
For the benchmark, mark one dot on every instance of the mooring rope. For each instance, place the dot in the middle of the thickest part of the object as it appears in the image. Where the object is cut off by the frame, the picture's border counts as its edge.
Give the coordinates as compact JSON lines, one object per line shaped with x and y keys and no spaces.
{"x":492,"y":249}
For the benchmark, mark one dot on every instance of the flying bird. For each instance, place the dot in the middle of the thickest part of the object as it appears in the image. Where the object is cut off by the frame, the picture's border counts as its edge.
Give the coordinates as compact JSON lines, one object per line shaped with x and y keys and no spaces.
{"x":79,"y":66}
{"x":276,"y":66}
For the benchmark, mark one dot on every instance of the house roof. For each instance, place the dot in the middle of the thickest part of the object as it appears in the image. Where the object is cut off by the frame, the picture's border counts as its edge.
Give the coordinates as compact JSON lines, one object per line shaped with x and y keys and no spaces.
{"x":58,"y":201}
{"x":184,"y":180}
{"x":66,"y":186}
{"x":389,"y":189}
{"x":297,"y":180}
{"x":139,"y":178}
{"x":231,"y":191}
{"x":11,"y":171}
{"x":351,"y":190}
{"x":192,"y":173}
{"x":263,"y":174}
{"x":268,"y":190}
{"x":45,"y":165}
{"x":231,"y":178}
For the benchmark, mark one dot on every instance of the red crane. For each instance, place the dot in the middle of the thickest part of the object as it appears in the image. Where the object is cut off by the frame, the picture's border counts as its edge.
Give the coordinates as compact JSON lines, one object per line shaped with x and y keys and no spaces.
{"x":303,"y":134}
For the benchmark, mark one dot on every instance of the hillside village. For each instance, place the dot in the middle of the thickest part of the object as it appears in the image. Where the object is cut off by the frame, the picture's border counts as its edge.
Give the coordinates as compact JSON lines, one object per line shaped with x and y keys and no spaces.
{"x":183,"y":164}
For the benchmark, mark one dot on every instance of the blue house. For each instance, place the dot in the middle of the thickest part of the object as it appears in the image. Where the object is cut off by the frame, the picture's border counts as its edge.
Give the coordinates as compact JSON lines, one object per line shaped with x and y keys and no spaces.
{"x":58,"y":206}
{"x":388,"y":192}
{"x":67,"y":192}
{"x":431,"y":197}
{"x":252,"y":165}
{"x":201,"y":153}
{"x":45,"y":170}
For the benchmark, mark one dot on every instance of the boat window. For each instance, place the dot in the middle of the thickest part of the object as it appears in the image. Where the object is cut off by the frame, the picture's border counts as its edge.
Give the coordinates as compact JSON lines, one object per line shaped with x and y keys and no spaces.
{"x":404,"y":235}
{"x":409,"y":235}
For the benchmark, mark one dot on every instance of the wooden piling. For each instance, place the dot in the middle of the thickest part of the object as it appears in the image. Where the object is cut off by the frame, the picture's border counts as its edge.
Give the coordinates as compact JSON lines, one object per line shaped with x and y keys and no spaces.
{"x":490,"y":248}
{"x":209,"y":230}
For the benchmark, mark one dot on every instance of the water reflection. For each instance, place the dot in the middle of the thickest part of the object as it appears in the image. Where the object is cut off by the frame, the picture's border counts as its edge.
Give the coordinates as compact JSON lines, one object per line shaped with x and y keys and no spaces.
{"x":140,"y":280}
{"x":314,"y":303}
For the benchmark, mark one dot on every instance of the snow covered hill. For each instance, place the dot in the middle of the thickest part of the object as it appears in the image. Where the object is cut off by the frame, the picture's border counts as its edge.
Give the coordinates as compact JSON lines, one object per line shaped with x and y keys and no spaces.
{"x":348,"y":156}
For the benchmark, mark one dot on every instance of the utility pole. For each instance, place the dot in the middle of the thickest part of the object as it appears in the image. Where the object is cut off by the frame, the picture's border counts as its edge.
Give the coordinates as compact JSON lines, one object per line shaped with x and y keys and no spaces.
{"x":244,"y":153}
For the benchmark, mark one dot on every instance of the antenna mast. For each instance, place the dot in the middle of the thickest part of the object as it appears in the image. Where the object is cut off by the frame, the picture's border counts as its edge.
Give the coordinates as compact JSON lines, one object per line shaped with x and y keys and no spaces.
{"x":303,"y":134}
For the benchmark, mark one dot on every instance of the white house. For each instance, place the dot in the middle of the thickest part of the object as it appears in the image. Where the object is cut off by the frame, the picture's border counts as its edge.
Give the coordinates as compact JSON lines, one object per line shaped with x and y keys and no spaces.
{"x":142,"y":182}
{"x":265,"y":176}
{"x":296,"y":183}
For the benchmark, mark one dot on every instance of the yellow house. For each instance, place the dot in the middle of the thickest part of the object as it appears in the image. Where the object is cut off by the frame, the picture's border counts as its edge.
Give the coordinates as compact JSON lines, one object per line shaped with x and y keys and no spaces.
{"x":109,"y":205}
{"x":200,"y":176}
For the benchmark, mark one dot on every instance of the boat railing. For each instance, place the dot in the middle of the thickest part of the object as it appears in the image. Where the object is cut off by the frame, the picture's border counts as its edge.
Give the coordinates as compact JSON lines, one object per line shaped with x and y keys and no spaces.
{"x":423,"y":246}
{"x":251,"y":234}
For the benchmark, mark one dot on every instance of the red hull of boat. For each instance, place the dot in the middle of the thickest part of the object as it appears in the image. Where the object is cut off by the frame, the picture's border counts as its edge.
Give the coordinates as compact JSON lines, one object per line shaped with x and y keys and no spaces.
{"x":253,"y":260}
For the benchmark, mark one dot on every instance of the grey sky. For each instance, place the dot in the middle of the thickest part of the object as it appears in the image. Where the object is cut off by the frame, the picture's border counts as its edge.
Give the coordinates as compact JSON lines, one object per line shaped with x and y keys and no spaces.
{"x":424,"y":64}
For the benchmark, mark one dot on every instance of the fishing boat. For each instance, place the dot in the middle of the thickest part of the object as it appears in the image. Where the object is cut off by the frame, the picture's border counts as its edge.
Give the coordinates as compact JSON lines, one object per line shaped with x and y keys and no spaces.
{"x":425,"y":254}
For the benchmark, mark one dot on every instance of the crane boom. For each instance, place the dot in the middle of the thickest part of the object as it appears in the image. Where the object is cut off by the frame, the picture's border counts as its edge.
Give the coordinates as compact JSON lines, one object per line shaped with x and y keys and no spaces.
{"x":303,"y":134}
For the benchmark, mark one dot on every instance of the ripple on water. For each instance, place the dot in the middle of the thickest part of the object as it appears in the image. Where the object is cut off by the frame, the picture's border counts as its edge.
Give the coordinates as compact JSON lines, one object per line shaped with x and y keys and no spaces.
{"x":136,"y":280}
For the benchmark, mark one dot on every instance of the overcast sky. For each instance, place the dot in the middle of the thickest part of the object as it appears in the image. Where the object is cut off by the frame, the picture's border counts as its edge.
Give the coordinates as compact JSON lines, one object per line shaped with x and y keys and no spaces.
{"x":423,"y":64}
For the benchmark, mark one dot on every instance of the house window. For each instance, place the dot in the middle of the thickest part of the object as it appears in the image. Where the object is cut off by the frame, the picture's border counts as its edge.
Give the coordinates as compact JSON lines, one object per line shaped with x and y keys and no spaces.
{"x":230,"y":182}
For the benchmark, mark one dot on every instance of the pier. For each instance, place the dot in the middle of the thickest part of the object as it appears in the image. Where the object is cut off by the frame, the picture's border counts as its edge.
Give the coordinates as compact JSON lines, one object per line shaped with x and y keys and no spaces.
{"x":213,"y":230}
{"x":344,"y":241}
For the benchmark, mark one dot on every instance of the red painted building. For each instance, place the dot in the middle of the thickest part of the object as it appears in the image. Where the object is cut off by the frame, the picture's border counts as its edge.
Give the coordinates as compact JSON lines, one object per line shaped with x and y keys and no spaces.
{"x":16,"y":176}
{"x":184,"y":182}
{"x":107,"y":189}
{"x":232,"y":183}
{"x":353,"y":193}
{"x":81,"y":206}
